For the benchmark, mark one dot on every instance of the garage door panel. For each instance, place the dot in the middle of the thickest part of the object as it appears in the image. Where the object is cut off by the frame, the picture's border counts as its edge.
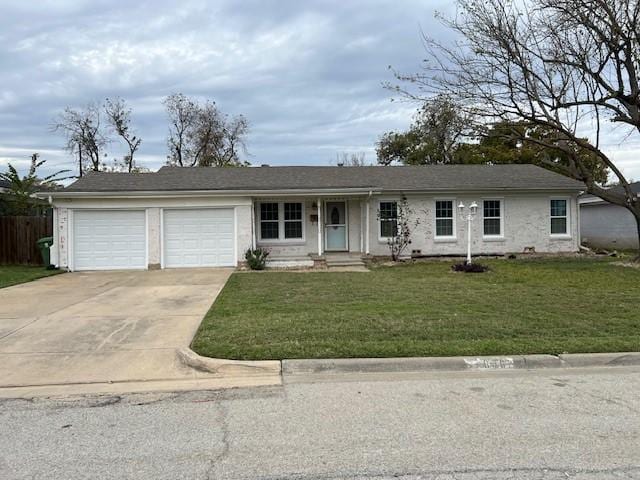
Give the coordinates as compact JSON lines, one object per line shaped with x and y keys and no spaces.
{"x":199,"y":237}
{"x":109,"y":239}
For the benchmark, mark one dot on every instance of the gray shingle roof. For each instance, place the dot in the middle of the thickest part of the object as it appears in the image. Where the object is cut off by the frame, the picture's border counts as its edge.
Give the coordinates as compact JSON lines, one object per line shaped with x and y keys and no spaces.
{"x":410,"y":178}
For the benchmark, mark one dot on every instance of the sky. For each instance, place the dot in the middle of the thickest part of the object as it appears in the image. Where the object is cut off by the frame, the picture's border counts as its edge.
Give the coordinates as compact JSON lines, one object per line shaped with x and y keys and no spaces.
{"x":308,"y":75}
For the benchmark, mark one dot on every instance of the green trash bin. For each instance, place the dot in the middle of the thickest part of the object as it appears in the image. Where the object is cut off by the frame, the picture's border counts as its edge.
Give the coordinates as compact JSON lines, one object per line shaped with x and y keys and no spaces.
{"x":44,"y":244}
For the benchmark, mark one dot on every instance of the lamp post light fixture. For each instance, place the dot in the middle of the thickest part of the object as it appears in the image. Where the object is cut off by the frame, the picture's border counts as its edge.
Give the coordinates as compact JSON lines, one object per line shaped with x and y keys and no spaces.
{"x":468,"y":214}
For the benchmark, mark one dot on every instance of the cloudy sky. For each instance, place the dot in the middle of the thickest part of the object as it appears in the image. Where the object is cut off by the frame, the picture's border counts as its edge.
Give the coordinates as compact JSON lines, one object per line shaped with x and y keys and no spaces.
{"x":307,"y":75}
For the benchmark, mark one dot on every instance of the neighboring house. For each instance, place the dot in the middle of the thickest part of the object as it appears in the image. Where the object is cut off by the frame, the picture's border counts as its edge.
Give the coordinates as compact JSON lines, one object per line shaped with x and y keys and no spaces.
{"x":605,"y":225}
{"x":190,"y":217}
{"x":5,"y":186}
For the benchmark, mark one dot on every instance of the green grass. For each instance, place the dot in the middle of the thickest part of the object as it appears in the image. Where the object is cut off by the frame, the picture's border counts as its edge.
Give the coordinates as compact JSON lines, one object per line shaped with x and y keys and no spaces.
{"x":15,"y":274}
{"x":422,"y":309}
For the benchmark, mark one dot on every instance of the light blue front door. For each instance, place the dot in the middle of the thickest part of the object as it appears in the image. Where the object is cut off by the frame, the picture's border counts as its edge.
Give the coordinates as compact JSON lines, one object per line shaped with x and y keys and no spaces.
{"x":336,"y":226}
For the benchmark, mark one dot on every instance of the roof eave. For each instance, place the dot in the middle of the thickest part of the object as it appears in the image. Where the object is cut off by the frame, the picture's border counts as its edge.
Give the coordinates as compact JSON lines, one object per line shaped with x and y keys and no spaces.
{"x":209,"y":193}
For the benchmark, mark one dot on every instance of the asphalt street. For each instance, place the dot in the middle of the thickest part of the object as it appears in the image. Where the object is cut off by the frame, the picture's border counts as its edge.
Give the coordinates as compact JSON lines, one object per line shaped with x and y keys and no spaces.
{"x":544,"y":424}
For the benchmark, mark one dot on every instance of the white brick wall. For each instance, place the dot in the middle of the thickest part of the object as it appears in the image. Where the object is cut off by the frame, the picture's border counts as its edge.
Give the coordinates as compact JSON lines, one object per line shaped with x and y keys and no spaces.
{"x":526,"y":224}
{"x":154,"y":208}
{"x":526,"y":220}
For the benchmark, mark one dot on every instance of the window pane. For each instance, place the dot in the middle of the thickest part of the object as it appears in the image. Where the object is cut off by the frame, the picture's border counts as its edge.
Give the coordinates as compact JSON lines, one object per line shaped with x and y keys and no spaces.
{"x":269,"y":230}
{"x":492,"y":226}
{"x":444,"y":209}
{"x":444,"y":227}
{"x":491,"y":208}
{"x":292,"y":229}
{"x":388,"y":228}
{"x":268,"y":211}
{"x":559,"y":225}
{"x":558,"y":208}
{"x":293,"y":211}
{"x":388,"y":210}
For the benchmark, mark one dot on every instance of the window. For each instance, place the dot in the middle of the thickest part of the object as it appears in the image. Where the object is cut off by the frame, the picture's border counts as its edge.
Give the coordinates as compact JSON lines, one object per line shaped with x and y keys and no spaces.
{"x":388,"y":219}
{"x":292,"y":220}
{"x":281,"y":221}
{"x":492,"y":218}
{"x":559,"y":218}
{"x":269,"y":221}
{"x":444,"y":218}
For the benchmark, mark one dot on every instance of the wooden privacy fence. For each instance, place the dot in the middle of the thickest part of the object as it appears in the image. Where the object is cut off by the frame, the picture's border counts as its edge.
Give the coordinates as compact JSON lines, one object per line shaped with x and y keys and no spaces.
{"x":18,"y":236}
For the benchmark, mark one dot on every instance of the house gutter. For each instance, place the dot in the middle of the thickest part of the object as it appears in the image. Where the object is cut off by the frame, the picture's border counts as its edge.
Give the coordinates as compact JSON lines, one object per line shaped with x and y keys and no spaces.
{"x":208,"y":193}
{"x":287,"y":192}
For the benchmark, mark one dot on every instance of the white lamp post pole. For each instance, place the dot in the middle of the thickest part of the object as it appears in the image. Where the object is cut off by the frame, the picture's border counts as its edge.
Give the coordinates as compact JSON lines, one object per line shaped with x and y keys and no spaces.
{"x":469,"y":215}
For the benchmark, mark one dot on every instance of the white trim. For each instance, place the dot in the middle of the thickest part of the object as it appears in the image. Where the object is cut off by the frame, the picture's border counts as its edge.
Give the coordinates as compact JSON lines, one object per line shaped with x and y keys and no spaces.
{"x":281,"y":221}
{"x":320,"y":227}
{"x":55,"y":251}
{"x":298,"y":192}
{"x":212,"y":193}
{"x":70,"y":241}
{"x":567,"y":234}
{"x":235,"y":236}
{"x":253,"y":225}
{"x":162,"y":238}
{"x":395,"y":200}
{"x":346,"y":225}
{"x":147,"y":237}
{"x":361,"y":226}
{"x":454,"y":226}
{"x":367,"y":236}
{"x":500,"y":236}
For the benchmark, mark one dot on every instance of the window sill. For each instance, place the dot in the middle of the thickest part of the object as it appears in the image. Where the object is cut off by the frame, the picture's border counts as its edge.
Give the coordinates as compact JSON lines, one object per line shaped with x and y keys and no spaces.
{"x":493,"y":238}
{"x":560,"y":236}
{"x":445,"y":239}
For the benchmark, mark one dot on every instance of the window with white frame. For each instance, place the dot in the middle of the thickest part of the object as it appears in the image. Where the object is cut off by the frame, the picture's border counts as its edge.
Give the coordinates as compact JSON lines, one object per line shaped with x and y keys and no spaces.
{"x":492,"y":218}
{"x":292,"y":220}
{"x":388,"y":219}
{"x":444,"y":219}
{"x":559,"y":217}
{"x":281,"y":221}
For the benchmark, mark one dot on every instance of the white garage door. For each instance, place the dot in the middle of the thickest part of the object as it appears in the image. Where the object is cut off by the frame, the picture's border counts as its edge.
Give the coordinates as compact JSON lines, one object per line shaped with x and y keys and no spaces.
{"x":199,"y":238}
{"x":109,"y":239}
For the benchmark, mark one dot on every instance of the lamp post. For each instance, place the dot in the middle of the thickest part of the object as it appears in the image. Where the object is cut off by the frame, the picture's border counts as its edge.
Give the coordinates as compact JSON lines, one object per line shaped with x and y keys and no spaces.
{"x":468,"y":214}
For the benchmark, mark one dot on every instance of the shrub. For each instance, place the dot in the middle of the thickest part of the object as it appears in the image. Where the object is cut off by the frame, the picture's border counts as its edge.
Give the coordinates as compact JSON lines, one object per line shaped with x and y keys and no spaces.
{"x":256,"y":258}
{"x":469,"y":267}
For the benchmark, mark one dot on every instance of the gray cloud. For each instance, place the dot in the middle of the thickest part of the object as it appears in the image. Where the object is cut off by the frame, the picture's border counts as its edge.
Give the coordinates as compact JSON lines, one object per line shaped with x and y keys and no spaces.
{"x":307,"y":75}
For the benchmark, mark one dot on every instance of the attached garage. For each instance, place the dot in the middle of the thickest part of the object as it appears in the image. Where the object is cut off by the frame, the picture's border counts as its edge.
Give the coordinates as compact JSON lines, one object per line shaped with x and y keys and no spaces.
{"x":109,"y":239}
{"x":203,"y":237}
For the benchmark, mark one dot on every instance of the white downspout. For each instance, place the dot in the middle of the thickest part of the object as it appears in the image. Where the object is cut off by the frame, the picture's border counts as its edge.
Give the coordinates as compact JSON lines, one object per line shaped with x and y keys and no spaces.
{"x":319,"y":227}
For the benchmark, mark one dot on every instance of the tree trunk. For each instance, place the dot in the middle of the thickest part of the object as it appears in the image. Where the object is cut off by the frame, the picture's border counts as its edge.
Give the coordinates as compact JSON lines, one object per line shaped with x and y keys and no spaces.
{"x":637,"y":217}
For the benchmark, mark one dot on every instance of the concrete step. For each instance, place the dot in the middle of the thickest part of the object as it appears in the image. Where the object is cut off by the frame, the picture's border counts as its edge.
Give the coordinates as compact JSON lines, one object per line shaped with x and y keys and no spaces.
{"x":344,"y":261}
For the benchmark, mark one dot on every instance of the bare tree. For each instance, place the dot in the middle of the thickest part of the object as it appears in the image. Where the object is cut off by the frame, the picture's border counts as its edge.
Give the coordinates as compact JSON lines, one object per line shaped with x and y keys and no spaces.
{"x":119,"y":117}
{"x":352,"y":159}
{"x":564,"y":65}
{"x":440,"y":125}
{"x":200,"y":135}
{"x":85,"y":135}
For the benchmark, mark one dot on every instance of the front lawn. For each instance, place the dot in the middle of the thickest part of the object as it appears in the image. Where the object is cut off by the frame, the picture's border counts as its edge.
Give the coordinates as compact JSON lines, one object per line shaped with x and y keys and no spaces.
{"x":422,"y":309}
{"x":14,"y":274}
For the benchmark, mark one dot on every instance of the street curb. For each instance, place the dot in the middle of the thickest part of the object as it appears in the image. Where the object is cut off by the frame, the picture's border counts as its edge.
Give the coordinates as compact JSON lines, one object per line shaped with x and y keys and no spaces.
{"x":425,"y":364}
{"x":189,"y":358}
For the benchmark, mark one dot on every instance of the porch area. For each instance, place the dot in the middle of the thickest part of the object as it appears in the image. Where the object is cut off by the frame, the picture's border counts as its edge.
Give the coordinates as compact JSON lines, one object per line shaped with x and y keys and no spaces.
{"x":313,"y":231}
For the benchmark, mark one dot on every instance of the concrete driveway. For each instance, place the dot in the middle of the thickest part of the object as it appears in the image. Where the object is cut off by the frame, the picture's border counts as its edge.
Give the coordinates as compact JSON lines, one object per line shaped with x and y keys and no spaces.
{"x":94,"y":327}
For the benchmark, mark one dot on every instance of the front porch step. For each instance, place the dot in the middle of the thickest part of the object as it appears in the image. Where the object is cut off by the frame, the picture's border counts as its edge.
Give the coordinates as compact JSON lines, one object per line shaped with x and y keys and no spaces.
{"x":344,"y":261}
